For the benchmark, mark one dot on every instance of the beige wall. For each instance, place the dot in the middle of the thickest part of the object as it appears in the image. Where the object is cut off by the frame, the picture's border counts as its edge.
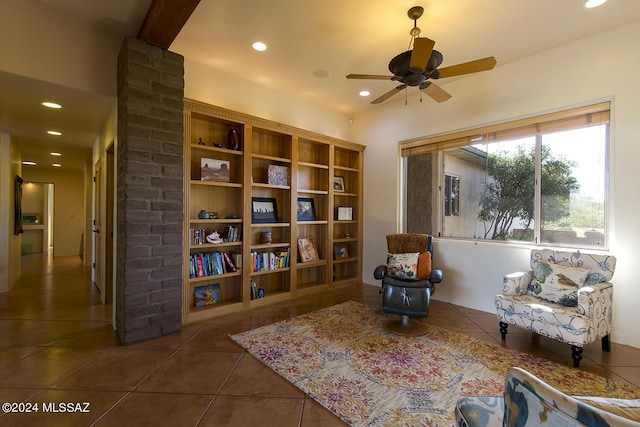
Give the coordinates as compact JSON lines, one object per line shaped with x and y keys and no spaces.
{"x":68,"y":209}
{"x":217,"y":88}
{"x":596,"y":68}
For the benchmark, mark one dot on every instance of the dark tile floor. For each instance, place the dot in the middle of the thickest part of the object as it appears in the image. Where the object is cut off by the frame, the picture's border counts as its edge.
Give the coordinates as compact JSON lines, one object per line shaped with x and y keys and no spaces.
{"x":57,"y":345}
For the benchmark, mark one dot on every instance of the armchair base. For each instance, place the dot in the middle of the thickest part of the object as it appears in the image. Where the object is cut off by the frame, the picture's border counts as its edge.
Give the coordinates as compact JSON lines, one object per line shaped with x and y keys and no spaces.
{"x":576,"y":351}
{"x":404,"y":326}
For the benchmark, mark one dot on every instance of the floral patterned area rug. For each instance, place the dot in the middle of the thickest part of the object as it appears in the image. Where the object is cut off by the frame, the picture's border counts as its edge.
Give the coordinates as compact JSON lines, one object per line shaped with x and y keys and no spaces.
{"x":343,"y":358}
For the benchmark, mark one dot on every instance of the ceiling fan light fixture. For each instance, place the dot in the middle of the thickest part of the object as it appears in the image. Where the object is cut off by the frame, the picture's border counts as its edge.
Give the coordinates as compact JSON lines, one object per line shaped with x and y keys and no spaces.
{"x":594,"y":3}
{"x":364,"y":93}
{"x":259,"y":46}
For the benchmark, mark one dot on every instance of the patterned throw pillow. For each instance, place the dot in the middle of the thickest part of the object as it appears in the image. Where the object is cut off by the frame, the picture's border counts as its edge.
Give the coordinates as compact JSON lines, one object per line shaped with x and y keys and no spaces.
{"x":558,"y":283}
{"x":403,"y":266}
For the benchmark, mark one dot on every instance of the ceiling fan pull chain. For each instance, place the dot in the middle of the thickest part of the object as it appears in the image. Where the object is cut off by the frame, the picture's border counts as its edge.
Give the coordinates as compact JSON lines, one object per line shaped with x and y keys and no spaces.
{"x":411,"y":42}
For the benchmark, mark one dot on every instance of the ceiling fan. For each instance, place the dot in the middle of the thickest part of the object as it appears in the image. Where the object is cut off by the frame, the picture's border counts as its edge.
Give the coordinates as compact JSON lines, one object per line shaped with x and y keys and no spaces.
{"x":416,"y":67}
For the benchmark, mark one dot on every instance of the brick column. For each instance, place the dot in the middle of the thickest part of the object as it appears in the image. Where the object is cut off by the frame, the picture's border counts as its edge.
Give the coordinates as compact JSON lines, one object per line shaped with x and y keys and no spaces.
{"x":149,"y":192}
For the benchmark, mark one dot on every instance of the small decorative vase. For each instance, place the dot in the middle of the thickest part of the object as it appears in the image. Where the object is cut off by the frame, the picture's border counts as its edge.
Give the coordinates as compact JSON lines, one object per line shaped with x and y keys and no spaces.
{"x":233,"y":140}
{"x":265,"y":237}
{"x":203,"y":214}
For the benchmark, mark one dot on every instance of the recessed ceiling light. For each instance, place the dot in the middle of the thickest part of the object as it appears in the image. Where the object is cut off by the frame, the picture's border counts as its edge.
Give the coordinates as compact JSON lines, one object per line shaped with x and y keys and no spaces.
{"x":321,"y":74}
{"x":54,"y":132}
{"x":365,"y":93}
{"x":55,"y":154}
{"x":56,"y":165}
{"x":29,"y":163}
{"x":50,"y":104}
{"x":259,"y":46}
{"x":594,"y":3}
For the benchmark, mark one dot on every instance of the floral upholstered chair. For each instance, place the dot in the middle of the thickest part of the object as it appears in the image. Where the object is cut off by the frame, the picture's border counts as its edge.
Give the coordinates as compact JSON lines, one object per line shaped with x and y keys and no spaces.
{"x":566,"y":296}
{"x":530,"y":402}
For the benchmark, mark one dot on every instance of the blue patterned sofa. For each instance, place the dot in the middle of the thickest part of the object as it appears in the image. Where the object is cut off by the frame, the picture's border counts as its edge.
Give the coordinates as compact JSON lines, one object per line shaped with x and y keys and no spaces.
{"x":529,"y":401}
{"x":566,"y":296}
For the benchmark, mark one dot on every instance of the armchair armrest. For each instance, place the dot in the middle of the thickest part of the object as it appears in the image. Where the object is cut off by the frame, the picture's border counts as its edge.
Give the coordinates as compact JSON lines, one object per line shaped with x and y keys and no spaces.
{"x":516,"y":283}
{"x":592,"y":297}
{"x":380,"y":272}
{"x":530,"y":401}
{"x":435,"y":276}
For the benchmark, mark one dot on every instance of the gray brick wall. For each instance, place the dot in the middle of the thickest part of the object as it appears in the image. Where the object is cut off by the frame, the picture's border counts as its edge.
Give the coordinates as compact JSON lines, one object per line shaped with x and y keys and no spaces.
{"x":149,"y":192}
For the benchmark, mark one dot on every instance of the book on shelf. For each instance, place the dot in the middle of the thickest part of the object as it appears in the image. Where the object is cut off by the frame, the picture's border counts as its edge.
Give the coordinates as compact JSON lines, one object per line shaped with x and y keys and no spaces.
{"x":231,"y":233}
{"x":236,"y":259}
{"x":229,"y":262}
{"x":207,"y":295}
{"x":211,"y":264}
{"x":266,"y":261}
{"x":199,"y":267}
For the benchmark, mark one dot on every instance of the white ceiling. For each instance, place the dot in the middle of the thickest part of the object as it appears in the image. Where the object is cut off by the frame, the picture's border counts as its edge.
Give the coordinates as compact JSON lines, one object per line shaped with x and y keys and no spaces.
{"x":341,"y":37}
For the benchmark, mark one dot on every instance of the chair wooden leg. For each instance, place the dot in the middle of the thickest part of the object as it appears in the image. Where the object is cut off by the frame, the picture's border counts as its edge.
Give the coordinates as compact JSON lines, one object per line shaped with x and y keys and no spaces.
{"x":503,"y":330}
{"x":606,"y":344}
{"x":576,"y":353}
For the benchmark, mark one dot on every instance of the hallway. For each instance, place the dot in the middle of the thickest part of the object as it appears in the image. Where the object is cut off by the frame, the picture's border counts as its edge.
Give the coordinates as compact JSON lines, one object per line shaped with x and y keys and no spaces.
{"x":57,"y":345}
{"x":52,"y":301}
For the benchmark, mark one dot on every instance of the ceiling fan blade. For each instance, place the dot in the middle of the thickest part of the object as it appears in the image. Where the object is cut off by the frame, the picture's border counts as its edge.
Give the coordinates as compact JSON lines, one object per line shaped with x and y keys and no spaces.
{"x":436,"y":92}
{"x":483,"y":64}
{"x":368,"y":76}
{"x":421,"y":53}
{"x":388,"y":94}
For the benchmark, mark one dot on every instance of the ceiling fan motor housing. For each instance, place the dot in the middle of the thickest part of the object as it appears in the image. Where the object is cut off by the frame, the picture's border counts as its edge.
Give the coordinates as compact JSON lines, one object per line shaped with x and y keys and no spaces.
{"x":399,"y":67}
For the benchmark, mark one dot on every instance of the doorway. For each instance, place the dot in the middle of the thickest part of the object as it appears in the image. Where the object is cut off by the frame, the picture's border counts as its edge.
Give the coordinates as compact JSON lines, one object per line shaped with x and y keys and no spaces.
{"x":37,"y":218}
{"x":103,"y":225}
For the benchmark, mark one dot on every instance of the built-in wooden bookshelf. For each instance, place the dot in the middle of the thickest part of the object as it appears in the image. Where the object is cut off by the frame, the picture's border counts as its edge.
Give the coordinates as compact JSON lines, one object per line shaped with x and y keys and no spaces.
{"x":254,"y":168}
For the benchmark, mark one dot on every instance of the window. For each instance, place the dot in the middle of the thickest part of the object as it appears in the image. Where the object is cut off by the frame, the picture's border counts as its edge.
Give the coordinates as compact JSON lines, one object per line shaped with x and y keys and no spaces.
{"x":451,"y":195}
{"x":538,"y":180}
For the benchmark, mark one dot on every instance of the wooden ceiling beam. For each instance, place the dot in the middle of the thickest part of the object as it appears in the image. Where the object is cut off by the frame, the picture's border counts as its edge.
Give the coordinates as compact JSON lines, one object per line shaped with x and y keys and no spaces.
{"x":164,"y":20}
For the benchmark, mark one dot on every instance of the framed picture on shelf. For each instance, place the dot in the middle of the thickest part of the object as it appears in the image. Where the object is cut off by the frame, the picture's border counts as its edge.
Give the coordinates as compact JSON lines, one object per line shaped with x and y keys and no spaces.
{"x":214,"y":170}
{"x":306,"y":249}
{"x":338,"y":184}
{"x":207,"y":295}
{"x":264,"y":210}
{"x":340,"y":250}
{"x":344,"y":213}
{"x":277,"y":175}
{"x":306,"y":209}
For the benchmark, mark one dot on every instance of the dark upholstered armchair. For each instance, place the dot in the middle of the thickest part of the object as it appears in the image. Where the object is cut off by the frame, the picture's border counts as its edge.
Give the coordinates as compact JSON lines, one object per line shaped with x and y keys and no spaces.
{"x":408,"y":281}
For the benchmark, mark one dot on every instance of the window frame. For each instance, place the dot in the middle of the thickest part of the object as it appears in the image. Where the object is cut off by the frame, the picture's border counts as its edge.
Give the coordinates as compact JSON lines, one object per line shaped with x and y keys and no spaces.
{"x":573,"y":118}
